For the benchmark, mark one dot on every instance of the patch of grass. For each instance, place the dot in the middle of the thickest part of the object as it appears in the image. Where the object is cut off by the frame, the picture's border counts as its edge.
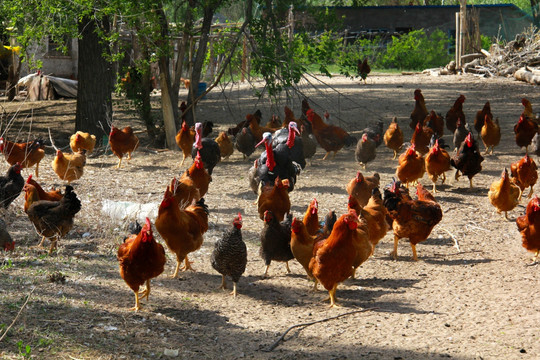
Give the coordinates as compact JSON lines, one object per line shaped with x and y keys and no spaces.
{"x":6,"y":265}
{"x":25,"y":350}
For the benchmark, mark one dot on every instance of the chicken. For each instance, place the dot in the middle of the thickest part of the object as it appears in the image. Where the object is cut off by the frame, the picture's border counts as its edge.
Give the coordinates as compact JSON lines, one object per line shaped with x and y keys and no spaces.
{"x":420,"y":139}
{"x":460,"y":134}
{"x":525,"y":130}
{"x":275,"y":241}
{"x":11,"y":185}
{"x":309,"y":143}
{"x":226,"y":147}
{"x":185,"y":192}
{"x":527,"y":225}
{"x":375,"y":132}
{"x":82,"y":141}
{"x":361,"y":186}
{"x":503,"y":194}
{"x":289,"y":116}
{"x":455,"y":113}
{"x":200,"y":177}
{"x":435,"y":122}
{"x":141,"y":258}
{"x":364,"y":247}
{"x":256,"y":129}
{"x":331,"y":138}
{"x":363,"y":69}
{"x":302,"y":243}
{"x":490,"y":134}
{"x":208,"y":149}
{"x":34,"y":192}
{"x":184,"y":139}
{"x":365,"y":150}
{"x":412,"y":219}
{"x":419,"y":112}
{"x":311,"y":218}
{"x":123,"y":142}
{"x":524,"y":174}
{"x":69,"y":167}
{"x":53,"y":219}
{"x":481,"y":116}
{"x":333,"y":259}
{"x":274,"y":122}
{"x":244,"y":123}
{"x":26,"y":154}
{"x":528,"y":111}
{"x":245,"y":142}
{"x":411,"y":166}
{"x":229,"y":257}
{"x":467,"y":160}
{"x":6,"y":242}
{"x":437,"y":162}
{"x":274,"y":198}
{"x":393,"y":137}
{"x":182,"y":230}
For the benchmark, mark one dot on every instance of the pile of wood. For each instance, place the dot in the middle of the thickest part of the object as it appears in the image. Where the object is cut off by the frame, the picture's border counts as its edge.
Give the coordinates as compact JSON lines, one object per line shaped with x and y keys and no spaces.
{"x":519,"y":58}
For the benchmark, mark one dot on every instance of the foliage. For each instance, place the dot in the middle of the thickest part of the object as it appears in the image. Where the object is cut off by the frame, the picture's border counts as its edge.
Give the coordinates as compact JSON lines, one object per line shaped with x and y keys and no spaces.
{"x":486,"y":42}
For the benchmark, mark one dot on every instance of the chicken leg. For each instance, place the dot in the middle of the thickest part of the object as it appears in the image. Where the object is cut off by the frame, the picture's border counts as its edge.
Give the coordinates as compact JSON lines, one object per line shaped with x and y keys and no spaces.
{"x":37,"y":169}
{"x":223,"y":283}
{"x":187,"y":265}
{"x":394,"y":253}
{"x":325,"y":156}
{"x":414,"y":256}
{"x":119,"y":163}
{"x":233,"y":293}
{"x":470,"y":182}
{"x":534,"y":262}
{"x":395,"y":155}
{"x":266,"y":271}
{"x":332,"y":294}
{"x":287,"y":266}
{"x":146,"y":292}
{"x":137,"y":306}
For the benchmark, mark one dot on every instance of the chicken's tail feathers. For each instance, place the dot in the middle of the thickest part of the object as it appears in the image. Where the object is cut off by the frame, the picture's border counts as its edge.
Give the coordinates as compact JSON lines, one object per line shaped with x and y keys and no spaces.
{"x":350,"y":141}
{"x":72,"y":201}
{"x":200,"y":203}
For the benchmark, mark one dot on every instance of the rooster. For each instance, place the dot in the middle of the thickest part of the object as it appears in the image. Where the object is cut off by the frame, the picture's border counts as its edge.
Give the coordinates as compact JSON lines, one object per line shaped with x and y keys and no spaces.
{"x":331,"y":138}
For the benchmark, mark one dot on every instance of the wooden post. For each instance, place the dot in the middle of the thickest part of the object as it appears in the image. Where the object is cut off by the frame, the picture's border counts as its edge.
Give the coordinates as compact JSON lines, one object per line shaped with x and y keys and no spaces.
{"x":462,"y":27}
{"x":458,"y":52}
{"x":244,"y":60}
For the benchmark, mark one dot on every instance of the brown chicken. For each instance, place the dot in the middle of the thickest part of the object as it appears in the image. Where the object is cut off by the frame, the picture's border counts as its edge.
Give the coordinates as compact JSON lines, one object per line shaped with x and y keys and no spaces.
{"x":182,"y":230}
{"x":289,"y":116}
{"x":311,"y":218}
{"x":435,"y":122}
{"x":257,"y":129}
{"x":503,"y":194}
{"x":198,"y":174}
{"x":141,"y":259}
{"x":274,"y":122}
{"x":27,"y":154}
{"x":481,"y":116}
{"x":361,"y":187}
{"x":226,"y":146}
{"x":123,"y":142}
{"x":411,"y":166}
{"x":393,"y":137}
{"x":524,"y":174}
{"x":82,"y":141}
{"x":412,"y":219}
{"x":419,"y":112}
{"x":333,"y":259}
{"x":455,"y":113}
{"x":302,"y":244}
{"x":185,"y":192}
{"x":69,"y":167}
{"x":490,"y":134}
{"x":184,"y":139}
{"x":363,"y":69}
{"x":527,"y":225}
{"x":364,"y":247}
{"x":34,"y":192}
{"x":274,"y":198}
{"x":53,"y":219}
{"x":420,"y":139}
{"x":437,"y":162}
{"x":525,"y":130}
{"x":527,"y":111}
{"x":331,"y":138}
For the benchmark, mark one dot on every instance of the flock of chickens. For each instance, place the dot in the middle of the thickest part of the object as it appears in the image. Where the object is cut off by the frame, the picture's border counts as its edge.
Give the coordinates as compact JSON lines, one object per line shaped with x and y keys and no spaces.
{"x":329,"y":251}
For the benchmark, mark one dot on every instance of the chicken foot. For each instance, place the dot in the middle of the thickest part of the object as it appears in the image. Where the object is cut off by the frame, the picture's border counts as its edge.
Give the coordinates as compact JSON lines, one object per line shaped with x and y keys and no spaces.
{"x":54,"y":245}
{"x":119,"y":164}
{"x":414,"y":255}
{"x":266,"y":271}
{"x":332,"y":294}
{"x":233,"y":293}
{"x":146,"y":292}
{"x":137,"y":306}
{"x":37,"y":169}
{"x":223,"y":283}
{"x":187,"y":265}
{"x":287,"y":266}
{"x":534,"y":260}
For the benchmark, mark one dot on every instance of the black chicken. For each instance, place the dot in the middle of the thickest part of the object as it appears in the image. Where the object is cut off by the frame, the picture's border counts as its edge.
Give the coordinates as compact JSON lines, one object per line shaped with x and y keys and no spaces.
{"x":365,"y":150}
{"x":245,"y":142}
{"x":276,"y":240}
{"x":375,"y":132}
{"x":460,"y":134}
{"x":11,"y":185}
{"x":468,"y":159}
{"x":208,"y":148}
{"x":53,"y":219}
{"x":230,"y":254}
{"x":6,"y":242}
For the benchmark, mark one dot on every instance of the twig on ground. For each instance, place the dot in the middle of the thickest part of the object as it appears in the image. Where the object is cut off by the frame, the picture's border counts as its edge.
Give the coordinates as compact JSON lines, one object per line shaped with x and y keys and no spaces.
{"x":282,"y":337}
{"x":50,"y":138}
{"x":18,"y":314}
{"x":456,"y":245}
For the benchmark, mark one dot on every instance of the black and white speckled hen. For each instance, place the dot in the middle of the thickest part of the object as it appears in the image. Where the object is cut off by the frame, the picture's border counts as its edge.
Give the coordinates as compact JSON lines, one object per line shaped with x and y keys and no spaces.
{"x":11,"y":185}
{"x":229,"y":257}
{"x":276,"y":240}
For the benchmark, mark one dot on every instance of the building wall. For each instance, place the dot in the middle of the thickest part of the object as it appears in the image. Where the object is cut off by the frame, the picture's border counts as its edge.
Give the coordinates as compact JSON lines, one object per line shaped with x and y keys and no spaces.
{"x":504,"y":20}
{"x":53,"y":63}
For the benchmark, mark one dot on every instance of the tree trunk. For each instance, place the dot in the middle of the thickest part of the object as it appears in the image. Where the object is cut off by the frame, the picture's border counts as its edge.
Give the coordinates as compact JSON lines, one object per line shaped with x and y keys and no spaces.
{"x":199,"y":61}
{"x":94,"y":104}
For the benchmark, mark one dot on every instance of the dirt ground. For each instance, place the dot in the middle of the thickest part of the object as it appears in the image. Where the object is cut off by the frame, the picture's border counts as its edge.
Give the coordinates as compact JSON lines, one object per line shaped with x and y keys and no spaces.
{"x":477,"y":303}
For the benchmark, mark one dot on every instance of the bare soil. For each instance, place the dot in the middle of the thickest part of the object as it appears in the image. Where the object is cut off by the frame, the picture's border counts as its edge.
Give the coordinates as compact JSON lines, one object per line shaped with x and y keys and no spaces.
{"x":477,"y":303}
